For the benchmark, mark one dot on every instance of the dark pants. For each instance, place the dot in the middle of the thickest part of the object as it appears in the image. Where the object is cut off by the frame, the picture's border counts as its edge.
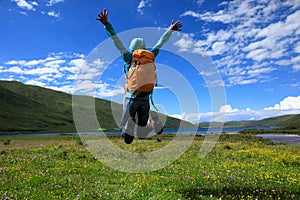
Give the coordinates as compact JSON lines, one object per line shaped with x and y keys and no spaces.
{"x":138,"y":111}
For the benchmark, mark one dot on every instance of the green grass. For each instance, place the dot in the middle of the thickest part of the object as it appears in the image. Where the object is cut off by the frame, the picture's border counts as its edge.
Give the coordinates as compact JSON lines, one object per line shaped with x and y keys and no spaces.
{"x":239,"y":167}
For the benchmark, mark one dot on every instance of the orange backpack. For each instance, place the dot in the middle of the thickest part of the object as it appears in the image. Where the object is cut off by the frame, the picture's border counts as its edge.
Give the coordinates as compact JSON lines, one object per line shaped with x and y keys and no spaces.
{"x":141,"y":76}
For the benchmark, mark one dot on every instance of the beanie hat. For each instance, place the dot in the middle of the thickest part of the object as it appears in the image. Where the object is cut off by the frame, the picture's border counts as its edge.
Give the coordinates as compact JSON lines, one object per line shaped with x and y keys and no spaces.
{"x":137,"y":43}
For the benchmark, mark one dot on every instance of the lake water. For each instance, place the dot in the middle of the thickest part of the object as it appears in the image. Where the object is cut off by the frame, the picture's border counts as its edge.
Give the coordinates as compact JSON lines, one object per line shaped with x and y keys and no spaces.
{"x":283,"y":138}
{"x":277,"y":138}
{"x":201,"y":131}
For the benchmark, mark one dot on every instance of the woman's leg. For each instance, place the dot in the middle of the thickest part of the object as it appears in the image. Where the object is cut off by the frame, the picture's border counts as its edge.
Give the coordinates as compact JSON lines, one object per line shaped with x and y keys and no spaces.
{"x":143,"y":114}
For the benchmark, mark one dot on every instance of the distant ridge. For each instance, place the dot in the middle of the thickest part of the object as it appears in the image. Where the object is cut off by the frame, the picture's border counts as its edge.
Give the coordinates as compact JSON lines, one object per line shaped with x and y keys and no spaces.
{"x":26,"y":108}
{"x":285,"y":122}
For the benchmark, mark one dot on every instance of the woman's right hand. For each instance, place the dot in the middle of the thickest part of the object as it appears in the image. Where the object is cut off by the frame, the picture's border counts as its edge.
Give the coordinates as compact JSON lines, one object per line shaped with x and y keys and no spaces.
{"x":103,"y":16}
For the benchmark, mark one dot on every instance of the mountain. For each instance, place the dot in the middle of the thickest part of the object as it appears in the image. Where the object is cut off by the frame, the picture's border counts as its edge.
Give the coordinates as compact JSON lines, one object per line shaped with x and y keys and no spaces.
{"x":292,"y":123}
{"x":284,"y":121}
{"x":26,"y":108}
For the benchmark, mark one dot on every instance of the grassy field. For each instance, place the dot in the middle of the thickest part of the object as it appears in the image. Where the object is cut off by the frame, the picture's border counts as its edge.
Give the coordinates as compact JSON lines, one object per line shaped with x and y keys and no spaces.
{"x":239,"y":167}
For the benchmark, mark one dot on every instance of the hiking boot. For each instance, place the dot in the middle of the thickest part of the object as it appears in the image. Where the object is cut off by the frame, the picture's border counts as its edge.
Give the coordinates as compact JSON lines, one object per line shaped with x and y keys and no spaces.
{"x":129,"y":131}
{"x":157,"y":126}
{"x":153,"y":115}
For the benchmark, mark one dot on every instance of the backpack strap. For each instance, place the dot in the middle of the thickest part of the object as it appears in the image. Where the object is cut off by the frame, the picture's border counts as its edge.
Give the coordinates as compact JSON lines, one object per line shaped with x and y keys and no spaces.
{"x":151,"y":99}
{"x":135,"y":67}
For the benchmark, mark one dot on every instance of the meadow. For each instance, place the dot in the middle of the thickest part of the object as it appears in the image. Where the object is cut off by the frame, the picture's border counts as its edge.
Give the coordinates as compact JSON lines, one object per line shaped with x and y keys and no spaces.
{"x":60,"y":167}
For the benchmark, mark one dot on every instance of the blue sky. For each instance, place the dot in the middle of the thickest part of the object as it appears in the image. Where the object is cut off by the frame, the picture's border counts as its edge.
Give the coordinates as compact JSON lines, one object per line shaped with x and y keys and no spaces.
{"x":254,"y":47}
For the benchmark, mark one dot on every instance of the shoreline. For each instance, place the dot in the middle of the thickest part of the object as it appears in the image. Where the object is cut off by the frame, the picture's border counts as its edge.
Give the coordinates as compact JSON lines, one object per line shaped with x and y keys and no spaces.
{"x":272,"y":137}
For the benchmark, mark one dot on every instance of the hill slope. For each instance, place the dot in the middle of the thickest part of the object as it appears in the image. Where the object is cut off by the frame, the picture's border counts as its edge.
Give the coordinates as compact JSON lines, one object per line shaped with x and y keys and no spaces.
{"x":25,"y":108}
{"x":292,"y":123}
{"x":284,"y":121}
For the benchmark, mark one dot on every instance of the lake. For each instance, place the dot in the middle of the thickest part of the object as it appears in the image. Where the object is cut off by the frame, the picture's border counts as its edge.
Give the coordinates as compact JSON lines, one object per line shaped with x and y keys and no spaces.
{"x":282,"y":138}
{"x":201,"y":131}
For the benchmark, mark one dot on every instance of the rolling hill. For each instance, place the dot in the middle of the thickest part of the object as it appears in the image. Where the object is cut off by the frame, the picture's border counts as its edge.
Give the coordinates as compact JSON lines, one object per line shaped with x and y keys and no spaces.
{"x":292,"y":123}
{"x":26,"y":108}
{"x":284,"y":121}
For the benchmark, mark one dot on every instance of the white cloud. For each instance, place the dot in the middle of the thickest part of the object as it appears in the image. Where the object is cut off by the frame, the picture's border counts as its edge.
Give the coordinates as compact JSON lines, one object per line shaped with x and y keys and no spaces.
{"x":53,"y":14}
{"x":26,"y":5}
{"x":240,"y":80}
{"x":142,"y":5}
{"x":289,"y":105}
{"x":259,"y":71}
{"x":52,"y":2}
{"x":211,"y":83}
{"x":283,"y":62}
{"x":227,"y":108}
{"x":185,"y":43}
{"x":14,"y":69}
{"x":67,"y":72}
{"x":295,"y":85}
{"x":105,"y":90}
{"x":52,"y":71}
{"x":35,"y":82}
{"x":206,"y":73}
{"x":65,"y":88}
{"x":200,"y":2}
{"x":88,"y":71}
{"x":41,"y":71}
{"x":219,"y":48}
{"x":80,"y":63}
{"x":92,"y":88}
{"x":23,"y":13}
{"x":283,"y":29}
{"x":86,"y":87}
{"x":297,"y":48}
{"x":190,"y":117}
{"x":33,"y":5}
{"x":33,"y":62}
{"x":296,"y":68}
{"x":55,"y":63}
{"x":210,"y":17}
{"x":191,"y":13}
{"x":296,"y":59}
{"x":296,"y":63}
{"x":254,"y":33}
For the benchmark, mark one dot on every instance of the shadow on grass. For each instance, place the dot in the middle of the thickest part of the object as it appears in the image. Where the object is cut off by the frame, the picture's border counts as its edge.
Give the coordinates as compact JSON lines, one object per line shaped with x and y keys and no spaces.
{"x":239,"y":193}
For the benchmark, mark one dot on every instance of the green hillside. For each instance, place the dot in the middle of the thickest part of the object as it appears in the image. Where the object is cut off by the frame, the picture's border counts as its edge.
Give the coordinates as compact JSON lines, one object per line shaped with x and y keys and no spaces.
{"x":292,"y":123}
{"x":272,"y":121}
{"x":25,"y":108}
{"x":284,"y":121}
